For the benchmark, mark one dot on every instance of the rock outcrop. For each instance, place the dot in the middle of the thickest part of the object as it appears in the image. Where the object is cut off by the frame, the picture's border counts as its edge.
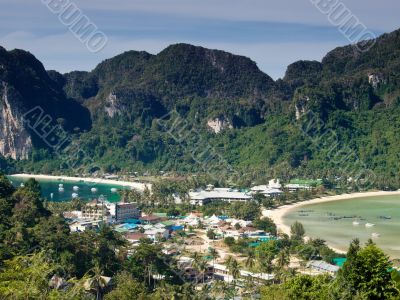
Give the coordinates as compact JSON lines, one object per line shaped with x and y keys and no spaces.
{"x":219,"y":124}
{"x":15,"y":141}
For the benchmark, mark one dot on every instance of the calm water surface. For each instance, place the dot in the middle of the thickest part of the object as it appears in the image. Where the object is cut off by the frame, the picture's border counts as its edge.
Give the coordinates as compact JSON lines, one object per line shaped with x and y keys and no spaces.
{"x":333,"y":221}
{"x":85,"y":192}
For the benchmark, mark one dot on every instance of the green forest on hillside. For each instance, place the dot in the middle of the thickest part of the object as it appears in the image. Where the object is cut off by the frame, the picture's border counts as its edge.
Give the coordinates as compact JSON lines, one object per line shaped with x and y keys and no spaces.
{"x":354,"y":95}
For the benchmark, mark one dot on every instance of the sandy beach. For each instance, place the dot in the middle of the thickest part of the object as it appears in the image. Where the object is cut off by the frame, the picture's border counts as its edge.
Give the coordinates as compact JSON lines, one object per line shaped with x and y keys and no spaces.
{"x":277,"y":214}
{"x":136,"y":185}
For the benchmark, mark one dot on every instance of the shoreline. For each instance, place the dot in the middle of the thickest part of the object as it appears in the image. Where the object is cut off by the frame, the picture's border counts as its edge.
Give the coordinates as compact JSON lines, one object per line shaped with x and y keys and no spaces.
{"x":136,"y":185}
{"x":278,"y":214}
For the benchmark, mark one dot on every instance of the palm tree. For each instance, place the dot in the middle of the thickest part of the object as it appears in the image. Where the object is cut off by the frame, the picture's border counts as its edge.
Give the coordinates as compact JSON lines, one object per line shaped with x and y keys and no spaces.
{"x":250,"y":260}
{"x":202,"y":268}
{"x":214,"y":255}
{"x":234,"y":270}
{"x":282,"y":262}
{"x":265,"y":263}
{"x":283,"y":259}
{"x":220,"y":290}
{"x":228,"y":262}
{"x":197,"y":262}
{"x":97,"y":282}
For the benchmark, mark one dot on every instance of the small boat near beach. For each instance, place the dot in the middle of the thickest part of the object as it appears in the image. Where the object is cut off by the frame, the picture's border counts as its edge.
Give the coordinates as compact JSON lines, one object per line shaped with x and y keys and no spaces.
{"x":356,"y":223}
{"x":385,"y":217}
{"x":375,"y":235}
{"x":368,"y":225}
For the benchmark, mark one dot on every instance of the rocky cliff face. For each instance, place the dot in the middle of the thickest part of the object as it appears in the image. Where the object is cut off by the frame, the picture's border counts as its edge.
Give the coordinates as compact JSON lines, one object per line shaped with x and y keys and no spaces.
{"x":15,"y":141}
{"x":219,"y":124}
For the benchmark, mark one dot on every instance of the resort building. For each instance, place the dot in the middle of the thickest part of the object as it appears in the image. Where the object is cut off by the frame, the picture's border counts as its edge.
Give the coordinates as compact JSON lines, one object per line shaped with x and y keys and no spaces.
{"x":201,"y":197}
{"x":95,"y":210}
{"x":293,"y":187}
{"x":125,"y":211}
{"x":273,"y":189}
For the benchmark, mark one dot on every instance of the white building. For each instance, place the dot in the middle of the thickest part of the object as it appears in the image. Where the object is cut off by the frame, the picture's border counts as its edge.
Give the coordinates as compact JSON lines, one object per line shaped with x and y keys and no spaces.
{"x":273,"y":189}
{"x":221,"y":272}
{"x":201,"y":197}
{"x":82,"y":225}
{"x":96,"y":210}
{"x":323,"y":267}
{"x":293,"y":187}
{"x":156,"y":233}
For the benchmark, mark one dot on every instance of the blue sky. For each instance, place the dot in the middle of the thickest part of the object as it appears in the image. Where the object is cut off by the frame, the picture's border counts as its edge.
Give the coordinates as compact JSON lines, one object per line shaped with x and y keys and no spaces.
{"x":272,"y":33}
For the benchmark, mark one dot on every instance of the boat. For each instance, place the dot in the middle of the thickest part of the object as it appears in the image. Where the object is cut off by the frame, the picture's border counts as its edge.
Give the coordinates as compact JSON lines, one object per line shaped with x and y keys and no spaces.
{"x":113,"y":190}
{"x":22,"y":185}
{"x":385,"y":217}
{"x":74,"y":195}
{"x":60,"y":185}
{"x":356,"y":223}
{"x":61,"y":189}
{"x":75,"y":188}
{"x":93,"y":190}
{"x":375,"y":235}
{"x":306,"y":211}
{"x":369,"y":225}
{"x":303,"y":215}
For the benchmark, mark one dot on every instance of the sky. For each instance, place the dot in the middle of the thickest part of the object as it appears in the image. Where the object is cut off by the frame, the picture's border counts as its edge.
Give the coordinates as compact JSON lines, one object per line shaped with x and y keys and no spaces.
{"x":273,"y":33}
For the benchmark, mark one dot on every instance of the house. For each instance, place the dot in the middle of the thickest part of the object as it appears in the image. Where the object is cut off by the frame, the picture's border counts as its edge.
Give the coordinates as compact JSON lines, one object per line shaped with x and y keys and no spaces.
{"x":201,"y":197}
{"x":322,"y":266}
{"x":151,"y":219}
{"x":135,"y":237}
{"x":83,"y":225}
{"x":75,"y":214}
{"x":156,"y":234}
{"x":221,"y":272}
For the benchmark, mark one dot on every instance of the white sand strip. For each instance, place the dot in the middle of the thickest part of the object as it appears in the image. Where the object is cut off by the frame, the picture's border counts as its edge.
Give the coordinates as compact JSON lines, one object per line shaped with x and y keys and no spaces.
{"x":136,"y":185}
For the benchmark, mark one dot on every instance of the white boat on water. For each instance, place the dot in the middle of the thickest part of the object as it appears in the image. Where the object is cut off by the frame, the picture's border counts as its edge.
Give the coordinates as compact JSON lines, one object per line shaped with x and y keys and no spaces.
{"x":375,"y":235}
{"x":61,"y":189}
{"x":369,"y":225}
{"x":74,"y":195}
{"x":93,"y":190}
{"x":75,"y":188}
{"x":113,"y":190}
{"x":356,"y":223}
{"x":60,"y":185}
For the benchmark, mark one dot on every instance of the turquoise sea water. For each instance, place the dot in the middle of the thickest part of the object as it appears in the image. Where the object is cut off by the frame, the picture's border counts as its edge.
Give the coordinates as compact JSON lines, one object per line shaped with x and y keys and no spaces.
{"x":333,"y":221}
{"x":51,"y":187}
